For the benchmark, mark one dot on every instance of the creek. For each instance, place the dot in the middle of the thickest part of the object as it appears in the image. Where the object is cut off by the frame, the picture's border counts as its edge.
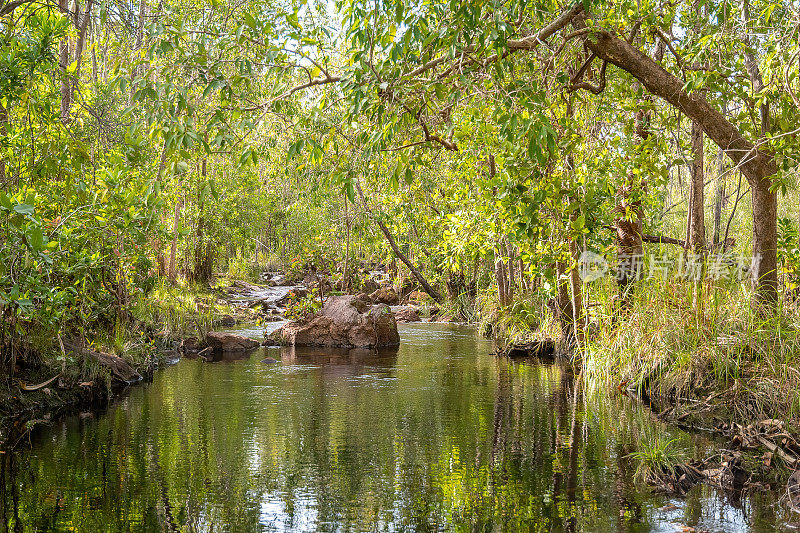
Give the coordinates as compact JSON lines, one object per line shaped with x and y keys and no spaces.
{"x":439,"y":435}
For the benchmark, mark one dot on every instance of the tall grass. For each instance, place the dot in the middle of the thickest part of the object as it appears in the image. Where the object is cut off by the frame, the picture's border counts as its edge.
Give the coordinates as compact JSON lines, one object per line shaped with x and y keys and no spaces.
{"x":178,"y":311}
{"x":670,"y":346}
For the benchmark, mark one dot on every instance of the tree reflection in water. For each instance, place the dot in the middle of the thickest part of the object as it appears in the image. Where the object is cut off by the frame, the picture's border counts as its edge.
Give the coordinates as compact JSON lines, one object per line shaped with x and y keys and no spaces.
{"x":439,"y":435}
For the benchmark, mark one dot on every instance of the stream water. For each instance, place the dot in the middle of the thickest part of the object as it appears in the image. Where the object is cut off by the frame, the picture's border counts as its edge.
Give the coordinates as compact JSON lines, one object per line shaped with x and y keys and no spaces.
{"x":437,"y":436}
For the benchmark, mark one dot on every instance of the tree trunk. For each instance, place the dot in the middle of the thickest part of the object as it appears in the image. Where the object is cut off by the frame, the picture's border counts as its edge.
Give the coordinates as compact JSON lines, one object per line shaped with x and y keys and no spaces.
{"x":719,"y":195}
{"x":346,"y":269}
{"x":160,"y":259}
{"x":757,"y":166}
{"x":138,"y":45}
{"x":564,"y":312}
{"x":81,"y":24}
{"x":510,"y":287}
{"x":578,"y":317}
{"x":3,"y":133}
{"x":95,"y":76}
{"x":63,"y":63}
{"x":397,"y":252}
{"x":173,"y":251}
{"x":203,"y":250}
{"x":697,"y":227}
{"x":500,"y":277}
{"x":765,"y":202}
{"x":630,"y":252}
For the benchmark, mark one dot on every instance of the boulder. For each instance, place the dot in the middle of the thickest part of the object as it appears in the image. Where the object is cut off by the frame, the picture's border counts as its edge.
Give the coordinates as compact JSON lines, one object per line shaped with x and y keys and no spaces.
{"x":370,"y":285}
{"x":344,"y":321}
{"x":294,"y":294}
{"x":364,"y":297}
{"x":408,"y":314}
{"x":190,"y":345}
{"x":272,"y":316}
{"x":417,"y":298}
{"x":385,"y":295}
{"x":228,"y":342}
{"x":225,"y":321}
{"x":280,"y":280}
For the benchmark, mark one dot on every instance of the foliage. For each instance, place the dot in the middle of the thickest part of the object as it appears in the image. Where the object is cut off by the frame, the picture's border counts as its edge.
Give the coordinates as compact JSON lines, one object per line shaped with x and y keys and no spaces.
{"x":301,"y":307}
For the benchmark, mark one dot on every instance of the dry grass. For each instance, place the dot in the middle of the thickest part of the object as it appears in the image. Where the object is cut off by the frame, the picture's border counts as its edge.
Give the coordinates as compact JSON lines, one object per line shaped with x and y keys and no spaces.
{"x":671,"y":348}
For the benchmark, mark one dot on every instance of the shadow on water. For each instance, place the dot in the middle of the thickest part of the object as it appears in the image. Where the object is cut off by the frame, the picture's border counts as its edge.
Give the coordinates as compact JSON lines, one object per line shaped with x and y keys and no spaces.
{"x":437,"y":435}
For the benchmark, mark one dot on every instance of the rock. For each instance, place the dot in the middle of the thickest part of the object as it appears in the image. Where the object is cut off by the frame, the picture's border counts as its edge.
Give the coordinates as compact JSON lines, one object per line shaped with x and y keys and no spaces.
{"x":228,"y":342}
{"x":385,"y":295}
{"x":295,"y":294}
{"x":269,"y":361}
{"x":543,"y":349}
{"x":408,"y":314}
{"x":344,"y":321}
{"x":262,"y":303}
{"x":419,"y":298}
{"x":370,"y":285}
{"x":364,"y":297}
{"x":190,"y":345}
{"x":225,"y":321}
{"x":793,"y":490}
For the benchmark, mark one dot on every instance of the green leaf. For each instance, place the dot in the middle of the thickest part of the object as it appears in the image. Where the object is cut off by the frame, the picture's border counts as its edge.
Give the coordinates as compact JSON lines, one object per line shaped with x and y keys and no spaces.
{"x":5,"y":201}
{"x":35,"y":239}
{"x":24,"y":209}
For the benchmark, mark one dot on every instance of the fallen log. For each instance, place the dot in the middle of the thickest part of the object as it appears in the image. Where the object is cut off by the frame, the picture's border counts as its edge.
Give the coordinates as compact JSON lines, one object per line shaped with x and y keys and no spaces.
{"x":660,"y":239}
{"x":542,"y":349}
{"x":118,"y":366}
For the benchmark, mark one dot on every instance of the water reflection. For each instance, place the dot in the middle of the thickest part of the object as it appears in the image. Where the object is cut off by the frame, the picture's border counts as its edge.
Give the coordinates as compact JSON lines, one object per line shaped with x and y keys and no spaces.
{"x":438,"y":435}
{"x":356,"y":358}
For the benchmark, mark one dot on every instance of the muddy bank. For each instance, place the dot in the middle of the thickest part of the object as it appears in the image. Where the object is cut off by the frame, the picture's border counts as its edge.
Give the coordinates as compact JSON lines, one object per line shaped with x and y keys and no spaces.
{"x":23,"y":410}
{"x":759,"y":455}
{"x":758,"y":445}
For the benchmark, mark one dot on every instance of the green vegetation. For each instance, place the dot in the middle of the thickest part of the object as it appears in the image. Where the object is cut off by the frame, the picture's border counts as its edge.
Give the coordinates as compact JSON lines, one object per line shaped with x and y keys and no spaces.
{"x":151,"y":153}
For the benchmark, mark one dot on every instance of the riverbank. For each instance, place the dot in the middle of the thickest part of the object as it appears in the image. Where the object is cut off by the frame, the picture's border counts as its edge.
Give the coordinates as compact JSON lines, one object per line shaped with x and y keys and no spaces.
{"x":706,"y":364}
{"x":158,"y":329}
{"x":47,"y":387}
{"x":724,"y":371}
{"x":710,"y":364}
